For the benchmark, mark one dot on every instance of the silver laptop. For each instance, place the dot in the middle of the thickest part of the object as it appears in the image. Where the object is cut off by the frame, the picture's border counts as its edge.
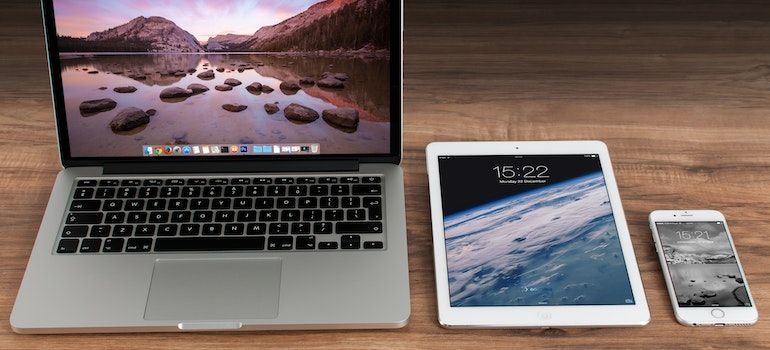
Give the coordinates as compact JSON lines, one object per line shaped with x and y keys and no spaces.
{"x":227,"y":166}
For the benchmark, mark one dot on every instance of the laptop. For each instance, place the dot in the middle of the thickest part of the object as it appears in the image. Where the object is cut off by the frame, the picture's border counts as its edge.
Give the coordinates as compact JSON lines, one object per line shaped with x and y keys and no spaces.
{"x":227,"y":165}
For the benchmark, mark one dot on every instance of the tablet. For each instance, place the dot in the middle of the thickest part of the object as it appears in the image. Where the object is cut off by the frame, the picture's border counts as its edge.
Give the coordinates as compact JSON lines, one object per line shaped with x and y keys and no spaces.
{"x":531,"y":234}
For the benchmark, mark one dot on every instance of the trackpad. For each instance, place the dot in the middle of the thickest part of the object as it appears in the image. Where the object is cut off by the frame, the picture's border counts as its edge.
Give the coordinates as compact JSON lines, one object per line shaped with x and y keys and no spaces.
{"x":214,"y":289}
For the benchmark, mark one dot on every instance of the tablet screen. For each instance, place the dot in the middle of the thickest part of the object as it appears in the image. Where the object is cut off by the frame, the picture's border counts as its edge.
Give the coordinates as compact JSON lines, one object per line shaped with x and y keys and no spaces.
{"x":529,"y":230}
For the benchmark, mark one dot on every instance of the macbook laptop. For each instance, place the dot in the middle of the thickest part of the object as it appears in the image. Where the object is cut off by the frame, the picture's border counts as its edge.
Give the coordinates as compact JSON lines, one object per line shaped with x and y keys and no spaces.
{"x":227,"y":165}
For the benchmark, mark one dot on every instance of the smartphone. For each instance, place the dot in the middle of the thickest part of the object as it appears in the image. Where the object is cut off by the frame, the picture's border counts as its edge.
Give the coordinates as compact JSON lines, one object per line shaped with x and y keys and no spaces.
{"x":703,"y":274}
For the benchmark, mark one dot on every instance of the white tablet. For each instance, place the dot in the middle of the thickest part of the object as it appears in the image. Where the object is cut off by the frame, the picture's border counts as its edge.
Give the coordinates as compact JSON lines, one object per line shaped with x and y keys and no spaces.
{"x":531,"y":234}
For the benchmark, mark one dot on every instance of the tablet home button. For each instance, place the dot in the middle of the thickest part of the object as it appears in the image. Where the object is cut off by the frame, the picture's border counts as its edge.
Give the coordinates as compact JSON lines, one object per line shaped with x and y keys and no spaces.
{"x":717,"y":313}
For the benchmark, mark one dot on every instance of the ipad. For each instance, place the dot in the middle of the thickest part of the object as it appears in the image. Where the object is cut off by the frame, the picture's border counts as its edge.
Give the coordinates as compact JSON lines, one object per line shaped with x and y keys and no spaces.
{"x":531,"y":234}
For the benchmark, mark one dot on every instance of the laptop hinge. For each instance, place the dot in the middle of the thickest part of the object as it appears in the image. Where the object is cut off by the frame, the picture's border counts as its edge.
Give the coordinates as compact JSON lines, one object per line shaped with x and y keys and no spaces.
{"x":231,"y":167}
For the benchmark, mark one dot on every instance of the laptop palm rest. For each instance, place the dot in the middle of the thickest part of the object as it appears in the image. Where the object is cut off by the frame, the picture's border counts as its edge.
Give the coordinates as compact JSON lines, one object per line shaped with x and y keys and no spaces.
{"x":214,"y":289}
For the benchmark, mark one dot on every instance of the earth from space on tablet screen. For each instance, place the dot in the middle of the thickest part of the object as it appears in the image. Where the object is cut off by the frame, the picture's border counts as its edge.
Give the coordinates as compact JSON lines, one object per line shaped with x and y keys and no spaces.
{"x":555,"y":245}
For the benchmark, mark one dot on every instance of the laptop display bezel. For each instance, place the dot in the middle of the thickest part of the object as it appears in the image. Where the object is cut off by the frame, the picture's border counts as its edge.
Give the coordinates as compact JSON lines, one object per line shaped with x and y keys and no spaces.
{"x":396,"y":93}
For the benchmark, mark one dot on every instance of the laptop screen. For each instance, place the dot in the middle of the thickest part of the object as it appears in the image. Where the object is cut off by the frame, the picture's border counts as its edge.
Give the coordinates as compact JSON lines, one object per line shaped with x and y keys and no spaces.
{"x":225,"y":77}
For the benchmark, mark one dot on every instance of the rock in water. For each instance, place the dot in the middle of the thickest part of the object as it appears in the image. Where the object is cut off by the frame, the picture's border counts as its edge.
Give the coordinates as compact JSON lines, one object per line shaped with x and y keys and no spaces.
{"x":175,"y":92}
{"x":233,"y":107}
{"x":180,"y":74}
{"x":331,"y":83}
{"x":223,"y":87}
{"x":129,"y":119}
{"x":300,"y":113}
{"x":338,"y":76}
{"x":220,"y":69}
{"x":266,"y":89}
{"x":307,"y":81}
{"x":124,"y":89}
{"x":197,"y":88}
{"x":254,"y":88}
{"x":232,"y":82}
{"x":93,"y":72}
{"x":344,"y":117}
{"x":207,"y":75}
{"x":103,"y":88}
{"x":290,"y":86}
{"x":96,"y":106}
{"x":151,"y":112}
{"x":192,"y":70}
{"x":271,"y":108}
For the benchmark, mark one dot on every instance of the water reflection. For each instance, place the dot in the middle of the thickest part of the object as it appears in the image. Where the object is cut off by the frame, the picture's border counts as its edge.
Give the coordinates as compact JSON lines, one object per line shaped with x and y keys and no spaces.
{"x":201,"y":117}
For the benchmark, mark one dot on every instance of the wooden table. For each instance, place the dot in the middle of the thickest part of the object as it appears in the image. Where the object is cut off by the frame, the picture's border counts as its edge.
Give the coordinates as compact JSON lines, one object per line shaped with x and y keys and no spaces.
{"x":679,"y":92}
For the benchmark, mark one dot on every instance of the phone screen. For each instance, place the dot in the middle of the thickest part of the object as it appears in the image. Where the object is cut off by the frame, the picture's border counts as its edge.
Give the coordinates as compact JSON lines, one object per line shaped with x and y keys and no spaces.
{"x":702,"y":264}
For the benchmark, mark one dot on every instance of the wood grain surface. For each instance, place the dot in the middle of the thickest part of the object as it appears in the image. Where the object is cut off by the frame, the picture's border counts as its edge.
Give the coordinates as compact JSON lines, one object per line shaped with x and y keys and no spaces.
{"x":679,"y":90}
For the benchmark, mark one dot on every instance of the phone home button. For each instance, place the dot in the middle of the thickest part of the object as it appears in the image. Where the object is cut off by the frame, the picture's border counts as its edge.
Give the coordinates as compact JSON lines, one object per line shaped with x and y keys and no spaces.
{"x":717,"y":313}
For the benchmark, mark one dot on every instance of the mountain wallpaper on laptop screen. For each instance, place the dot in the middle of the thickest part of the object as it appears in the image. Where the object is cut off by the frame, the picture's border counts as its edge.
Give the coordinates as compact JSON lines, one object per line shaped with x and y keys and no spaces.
{"x":225,"y":72}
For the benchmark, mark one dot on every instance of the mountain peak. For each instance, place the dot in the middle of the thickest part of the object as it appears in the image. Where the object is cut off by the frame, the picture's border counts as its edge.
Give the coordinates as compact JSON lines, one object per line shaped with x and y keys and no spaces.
{"x":158,"y":33}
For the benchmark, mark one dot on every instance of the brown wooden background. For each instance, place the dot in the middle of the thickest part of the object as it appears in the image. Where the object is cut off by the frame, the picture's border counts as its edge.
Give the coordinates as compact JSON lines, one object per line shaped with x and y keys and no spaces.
{"x":679,"y":90}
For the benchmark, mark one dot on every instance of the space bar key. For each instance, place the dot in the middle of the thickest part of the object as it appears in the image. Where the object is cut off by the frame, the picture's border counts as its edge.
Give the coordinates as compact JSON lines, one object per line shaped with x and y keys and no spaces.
{"x":208,"y":244}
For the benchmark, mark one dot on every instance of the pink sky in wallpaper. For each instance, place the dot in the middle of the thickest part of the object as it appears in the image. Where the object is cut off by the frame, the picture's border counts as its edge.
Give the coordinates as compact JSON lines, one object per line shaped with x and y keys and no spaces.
{"x":202,"y":18}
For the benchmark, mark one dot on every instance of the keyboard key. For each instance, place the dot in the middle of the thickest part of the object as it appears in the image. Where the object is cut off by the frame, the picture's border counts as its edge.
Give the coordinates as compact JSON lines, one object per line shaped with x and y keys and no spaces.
{"x":351,"y":202}
{"x":212,"y":229}
{"x":152,"y":182}
{"x":105,"y":192}
{"x":112,"y":205}
{"x":359,"y":227}
{"x":262,"y":181}
{"x":156,"y":204}
{"x":221,"y":203}
{"x":264,"y":203}
{"x":349,"y":180}
{"x":84,"y":218}
{"x":284,"y":203}
{"x":203,"y":216}
{"x":300,"y":228}
{"x":145,"y":230}
{"x":240,"y":181}
{"x":113,"y":245}
{"x":189,"y":229}
{"x":278,"y":228}
{"x":134,"y":204}
{"x":327,"y":245}
{"x":234,"y":229}
{"x":255,"y":191}
{"x":115,"y":218}
{"x":189,"y":192}
{"x":355,"y":214}
{"x":306,"y":180}
{"x":86,"y":182}
{"x":246,"y":216}
{"x":130,"y":182}
{"x":148,"y":192}
{"x":212,"y":191}
{"x":127,"y":192}
{"x":180,"y":216}
{"x":83,"y":193}
{"x":233,"y":191}
{"x":276,"y":191}
{"x":258,"y":228}
{"x":290,"y":215}
{"x":340,"y":190}
{"x":242,"y":203}
{"x":67,"y":245}
{"x":268,"y":215}
{"x":122,"y":231}
{"x":371,"y":179}
{"x":319,"y":190}
{"x":307,"y":202}
{"x":85,"y":205}
{"x":311,"y":215}
{"x":350,"y":242}
{"x":330,"y":202}
{"x":218,"y":182}
{"x":297,"y":190}
{"x":158,"y":217}
{"x":333,"y":215}
{"x":363,"y":190}
{"x":196,"y":182}
{"x":175,"y":182}
{"x":169,"y":192}
{"x":322,"y":228}
{"x":280,"y":243}
{"x":167,"y":230}
{"x":90,"y":245}
{"x":373,"y":245}
{"x":305,"y":242}
{"x":137,"y":217}
{"x":108,"y":182}
{"x":209,"y":244}
{"x":139,"y":244}
{"x":327,"y":180}
{"x":199,"y":203}
{"x":74,"y":231}
{"x":224,"y":216}
{"x":100,"y":231}
{"x":177,"y":204}
{"x":284,"y":180}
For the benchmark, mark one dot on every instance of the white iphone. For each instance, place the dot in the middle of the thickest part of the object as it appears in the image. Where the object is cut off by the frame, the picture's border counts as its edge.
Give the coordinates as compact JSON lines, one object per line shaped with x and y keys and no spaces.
{"x":703,"y":274}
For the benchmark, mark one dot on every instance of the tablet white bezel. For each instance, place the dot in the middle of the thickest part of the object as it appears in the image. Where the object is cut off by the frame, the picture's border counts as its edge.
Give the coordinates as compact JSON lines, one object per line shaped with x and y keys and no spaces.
{"x":532,"y":316}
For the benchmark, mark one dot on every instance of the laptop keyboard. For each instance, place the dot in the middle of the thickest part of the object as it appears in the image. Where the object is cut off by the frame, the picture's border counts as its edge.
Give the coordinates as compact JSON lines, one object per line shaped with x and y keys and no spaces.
{"x":142,"y":215}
